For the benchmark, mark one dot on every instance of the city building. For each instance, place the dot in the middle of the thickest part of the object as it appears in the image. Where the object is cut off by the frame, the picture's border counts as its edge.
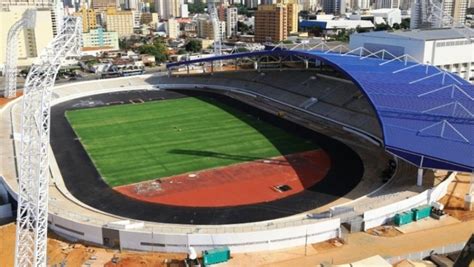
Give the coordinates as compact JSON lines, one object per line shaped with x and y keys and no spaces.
{"x":336,"y":7}
{"x":89,"y":18}
{"x":103,"y":4}
{"x":271,"y":23}
{"x":251,"y":3}
{"x":389,"y":15}
{"x":205,"y":28}
{"x":446,"y":48}
{"x":121,"y":22}
{"x":168,"y":8}
{"x":99,"y":39}
{"x":30,"y":42}
{"x":379,"y":4}
{"x":336,"y":25}
{"x":292,"y":8}
{"x":172,"y":28}
{"x":231,"y":21}
{"x":308,"y":5}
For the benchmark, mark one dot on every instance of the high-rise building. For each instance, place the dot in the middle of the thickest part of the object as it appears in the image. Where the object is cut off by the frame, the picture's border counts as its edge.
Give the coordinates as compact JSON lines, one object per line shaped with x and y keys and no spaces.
{"x":251,"y":3}
{"x":30,"y":42}
{"x":121,"y":22}
{"x":308,"y":5}
{"x":172,"y":28}
{"x":336,"y":7}
{"x":103,"y":4}
{"x":231,"y":21}
{"x":292,"y":8}
{"x":271,"y":23}
{"x":205,"y":28}
{"x":99,"y":39}
{"x":168,"y":8}
{"x":387,"y":4}
{"x":89,"y":18}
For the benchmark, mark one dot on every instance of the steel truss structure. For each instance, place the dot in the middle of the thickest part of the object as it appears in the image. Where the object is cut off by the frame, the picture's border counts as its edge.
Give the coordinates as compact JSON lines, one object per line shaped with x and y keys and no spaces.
{"x":32,"y":218}
{"x":27,"y":21}
{"x":211,"y":6}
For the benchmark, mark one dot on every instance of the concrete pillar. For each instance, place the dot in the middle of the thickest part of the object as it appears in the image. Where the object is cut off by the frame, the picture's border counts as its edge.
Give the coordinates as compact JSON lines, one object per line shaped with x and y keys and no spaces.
{"x":419,"y":179}
{"x":306,"y":64}
{"x":255,"y":65}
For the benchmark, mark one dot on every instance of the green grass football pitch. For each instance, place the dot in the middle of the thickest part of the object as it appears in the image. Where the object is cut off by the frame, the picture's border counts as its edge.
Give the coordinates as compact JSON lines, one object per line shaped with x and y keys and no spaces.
{"x":137,"y":142}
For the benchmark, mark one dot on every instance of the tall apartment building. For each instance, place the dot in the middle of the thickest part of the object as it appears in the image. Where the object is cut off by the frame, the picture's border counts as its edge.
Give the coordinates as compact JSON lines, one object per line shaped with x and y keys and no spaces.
{"x":89,"y":18}
{"x":271,"y":23}
{"x":387,"y":4}
{"x":121,"y":22}
{"x":98,"y":39}
{"x":168,"y":8}
{"x":205,"y":28}
{"x":336,"y":7}
{"x":424,"y":15}
{"x":30,"y":41}
{"x":103,"y":4}
{"x":172,"y":28}
{"x":360,"y":4}
{"x":231,"y":21}
{"x":251,"y":3}
{"x":292,"y":8}
{"x":308,"y":5}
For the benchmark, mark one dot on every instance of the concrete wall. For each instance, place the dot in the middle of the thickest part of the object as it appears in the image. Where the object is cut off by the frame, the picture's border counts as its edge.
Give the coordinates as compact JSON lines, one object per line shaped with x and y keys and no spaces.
{"x":382,"y":215}
{"x":269,"y":239}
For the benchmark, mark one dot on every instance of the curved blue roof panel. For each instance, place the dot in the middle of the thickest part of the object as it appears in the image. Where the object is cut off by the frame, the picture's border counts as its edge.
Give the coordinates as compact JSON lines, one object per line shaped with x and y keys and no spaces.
{"x":426,"y":114}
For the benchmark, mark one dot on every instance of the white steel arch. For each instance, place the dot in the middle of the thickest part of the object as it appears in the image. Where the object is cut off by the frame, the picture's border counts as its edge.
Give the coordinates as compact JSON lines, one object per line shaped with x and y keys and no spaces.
{"x":32,"y":217}
{"x":27,"y":21}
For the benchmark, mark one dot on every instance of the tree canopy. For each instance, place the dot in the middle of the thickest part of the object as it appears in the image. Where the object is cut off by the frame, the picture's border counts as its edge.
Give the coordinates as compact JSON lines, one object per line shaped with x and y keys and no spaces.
{"x":157,"y":49}
{"x":197,"y":7}
{"x":193,"y":46}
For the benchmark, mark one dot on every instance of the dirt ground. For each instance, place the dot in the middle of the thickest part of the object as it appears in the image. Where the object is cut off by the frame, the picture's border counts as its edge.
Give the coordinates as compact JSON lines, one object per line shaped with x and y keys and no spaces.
{"x":384,"y":231}
{"x":4,"y":101}
{"x":454,"y":200}
{"x":223,"y":187}
{"x":60,"y":251}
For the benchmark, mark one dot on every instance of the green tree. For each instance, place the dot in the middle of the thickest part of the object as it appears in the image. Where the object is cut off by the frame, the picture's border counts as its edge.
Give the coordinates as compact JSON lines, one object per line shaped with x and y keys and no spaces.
{"x":405,"y":23}
{"x":242,"y":27}
{"x":157,"y":49}
{"x":193,"y":46}
{"x":382,"y":27}
{"x":197,"y":7}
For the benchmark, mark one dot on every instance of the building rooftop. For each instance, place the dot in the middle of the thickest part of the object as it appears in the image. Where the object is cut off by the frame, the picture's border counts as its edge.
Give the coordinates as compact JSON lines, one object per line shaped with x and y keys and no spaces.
{"x":426,"y":35}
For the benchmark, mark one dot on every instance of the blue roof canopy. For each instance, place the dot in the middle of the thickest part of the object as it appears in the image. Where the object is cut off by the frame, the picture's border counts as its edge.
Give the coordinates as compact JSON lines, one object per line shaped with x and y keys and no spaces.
{"x":426,"y":114}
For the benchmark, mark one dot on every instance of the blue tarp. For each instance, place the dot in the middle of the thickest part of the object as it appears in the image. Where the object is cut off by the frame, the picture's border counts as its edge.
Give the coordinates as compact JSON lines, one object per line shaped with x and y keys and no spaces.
{"x":427,"y":116}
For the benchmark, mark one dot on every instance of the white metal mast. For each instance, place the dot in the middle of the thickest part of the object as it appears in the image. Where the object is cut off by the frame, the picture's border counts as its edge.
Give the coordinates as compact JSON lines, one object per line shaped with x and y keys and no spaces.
{"x":32,"y":217}
{"x":27,"y":21}
{"x":211,"y":8}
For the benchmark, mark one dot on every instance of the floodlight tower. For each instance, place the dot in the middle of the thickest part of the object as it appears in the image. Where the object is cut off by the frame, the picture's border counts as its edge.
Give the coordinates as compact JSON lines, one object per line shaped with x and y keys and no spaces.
{"x":27,"y":21}
{"x":211,"y":8}
{"x":32,"y":215}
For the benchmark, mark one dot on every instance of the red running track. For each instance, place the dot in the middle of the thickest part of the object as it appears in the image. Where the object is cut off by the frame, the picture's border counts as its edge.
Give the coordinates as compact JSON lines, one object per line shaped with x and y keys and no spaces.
{"x":234,"y":185}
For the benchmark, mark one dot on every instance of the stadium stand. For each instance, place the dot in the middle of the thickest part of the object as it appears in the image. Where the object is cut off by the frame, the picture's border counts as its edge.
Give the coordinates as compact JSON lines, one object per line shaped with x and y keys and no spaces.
{"x":333,"y":98}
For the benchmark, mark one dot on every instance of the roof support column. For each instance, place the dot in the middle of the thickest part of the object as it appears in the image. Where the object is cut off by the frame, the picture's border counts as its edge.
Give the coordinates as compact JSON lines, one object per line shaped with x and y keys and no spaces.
{"x":419,"y":179}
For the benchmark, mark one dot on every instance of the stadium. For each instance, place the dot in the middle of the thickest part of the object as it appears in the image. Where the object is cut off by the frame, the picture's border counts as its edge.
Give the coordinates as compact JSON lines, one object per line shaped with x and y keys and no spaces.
{"x":254,"y":151}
